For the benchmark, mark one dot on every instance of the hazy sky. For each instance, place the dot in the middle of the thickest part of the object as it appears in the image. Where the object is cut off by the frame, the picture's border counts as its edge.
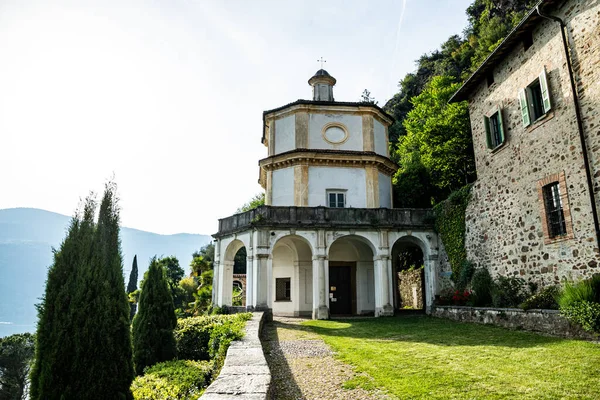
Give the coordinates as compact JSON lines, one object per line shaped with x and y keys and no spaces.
{"x":168,"y":94}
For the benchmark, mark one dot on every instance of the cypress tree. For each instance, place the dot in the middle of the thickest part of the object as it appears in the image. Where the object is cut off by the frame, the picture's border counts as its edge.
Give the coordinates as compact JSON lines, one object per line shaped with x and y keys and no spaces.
{"x":153,"y":325}
{"x":55,"y":352}
{"x":103,"y":367}
{"x":132,"y":286}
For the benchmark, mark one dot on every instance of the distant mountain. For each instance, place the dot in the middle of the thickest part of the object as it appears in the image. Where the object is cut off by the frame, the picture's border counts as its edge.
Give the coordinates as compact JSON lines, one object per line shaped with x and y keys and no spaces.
{"x":27,"y":236}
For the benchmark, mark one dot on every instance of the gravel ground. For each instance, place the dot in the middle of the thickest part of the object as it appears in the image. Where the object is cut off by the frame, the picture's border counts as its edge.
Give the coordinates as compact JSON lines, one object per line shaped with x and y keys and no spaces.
{"x":303,"y":366}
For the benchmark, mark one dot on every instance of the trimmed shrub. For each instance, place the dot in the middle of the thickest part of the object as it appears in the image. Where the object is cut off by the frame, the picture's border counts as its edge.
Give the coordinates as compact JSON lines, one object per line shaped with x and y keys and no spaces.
{"x":482,"y":285}
{"x":584,"y":313}
{"x":181,"y":379}
{"x":201,"y":338}
{"x":508,"y":291}
{"x":545,"y":299}
{"x":464,"y":276}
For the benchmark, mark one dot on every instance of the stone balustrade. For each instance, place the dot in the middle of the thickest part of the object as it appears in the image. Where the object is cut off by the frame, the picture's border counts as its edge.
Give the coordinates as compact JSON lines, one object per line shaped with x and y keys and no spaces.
{"x":325,"y":217}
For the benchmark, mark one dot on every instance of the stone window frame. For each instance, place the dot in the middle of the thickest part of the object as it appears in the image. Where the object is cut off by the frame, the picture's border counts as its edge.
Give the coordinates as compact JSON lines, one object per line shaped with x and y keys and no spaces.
{"x":564,"y":196}
{"x":337,"y":192}
{"x":283,"y":289}
{"x":487,"y":128}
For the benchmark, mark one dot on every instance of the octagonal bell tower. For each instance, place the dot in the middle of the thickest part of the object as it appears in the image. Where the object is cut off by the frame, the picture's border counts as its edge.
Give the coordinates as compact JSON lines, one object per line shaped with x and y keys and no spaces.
{"x":327,"y":153}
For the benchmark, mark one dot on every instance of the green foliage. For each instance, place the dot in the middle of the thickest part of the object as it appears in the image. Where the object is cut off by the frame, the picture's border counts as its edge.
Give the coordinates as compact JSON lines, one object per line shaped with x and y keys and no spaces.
{"x":239,"y":261}
{"x":236,"y":296}
{"x":450,"y":224}
{"x":482,"y":286}
{"x":545,"y":299}
{"x":203,"y":338}
{"x":173,"y":380}
{"x":440,"y":133}
{"x":509,"y":291}
{"x":132,"y":287}
{"x":85,"y":309}
{"x":153,"y":325}
{"x":16,"y":354}
{"x":174,"y":273}
{"x":585,"y":313}
{"x":412,"y":184}
{"x":256,"y":201}
{"x":464,"y":276}
{"x":585,"y":290}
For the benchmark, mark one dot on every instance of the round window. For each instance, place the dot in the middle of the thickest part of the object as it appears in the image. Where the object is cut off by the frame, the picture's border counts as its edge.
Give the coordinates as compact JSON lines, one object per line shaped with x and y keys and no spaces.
{"x":335,"y":134}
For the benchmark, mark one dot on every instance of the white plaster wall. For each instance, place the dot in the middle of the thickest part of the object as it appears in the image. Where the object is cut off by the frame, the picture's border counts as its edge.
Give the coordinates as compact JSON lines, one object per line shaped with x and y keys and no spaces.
{"x":381,"y":144}
{"x":305,"y":286}
{"x":352,"y":122}
{"x":285,"y":138}
{"x":365,"y":288}
{"x":283,"y":187}
{"x":283,"y":267}
{"x":353,"y":180}
{"x":385,"y":189}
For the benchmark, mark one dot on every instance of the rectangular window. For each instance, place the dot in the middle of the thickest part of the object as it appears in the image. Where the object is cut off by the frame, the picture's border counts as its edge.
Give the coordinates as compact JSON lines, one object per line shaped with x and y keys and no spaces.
{"x":494,"y":129}
{"x":554,"y":211}
{"x":534,"y":100}
{"x":283,"y":289}
{"x":336,"y":199}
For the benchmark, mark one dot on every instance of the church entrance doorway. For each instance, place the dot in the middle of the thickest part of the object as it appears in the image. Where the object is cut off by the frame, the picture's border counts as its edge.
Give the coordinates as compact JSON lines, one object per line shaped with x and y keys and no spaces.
{"x":342,"y":288}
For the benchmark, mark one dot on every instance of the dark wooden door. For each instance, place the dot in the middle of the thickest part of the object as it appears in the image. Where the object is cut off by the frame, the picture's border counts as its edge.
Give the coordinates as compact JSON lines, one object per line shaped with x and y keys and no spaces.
{"x":340,"y":290}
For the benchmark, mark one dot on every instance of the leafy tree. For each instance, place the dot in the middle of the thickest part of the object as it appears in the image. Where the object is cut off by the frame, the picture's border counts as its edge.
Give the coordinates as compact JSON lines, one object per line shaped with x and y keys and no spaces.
{"x":441,"y":135}
{"x":83,"y":342}
{"x":153,"y":325}
{"x":239,"y":261}
{"x":16,"y":354}
{"x":366,"y":97}
{"x":256,"y":201}
{"x":412,"y":184}
{"x":174,"y":273}
{"x":132,"y":286}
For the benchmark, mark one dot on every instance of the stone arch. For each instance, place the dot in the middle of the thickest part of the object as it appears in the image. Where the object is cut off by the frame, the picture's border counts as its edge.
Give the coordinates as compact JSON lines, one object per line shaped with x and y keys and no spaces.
{"x":291,"y":276}
{"x":350,"y":277}
{"x":422,"y":241}
{"x":227,"y":273}
{"x":299,"y":235}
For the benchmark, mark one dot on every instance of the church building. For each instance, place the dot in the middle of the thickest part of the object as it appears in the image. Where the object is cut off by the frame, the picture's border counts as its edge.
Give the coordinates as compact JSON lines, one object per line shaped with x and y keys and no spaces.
{"x":325,"y":240}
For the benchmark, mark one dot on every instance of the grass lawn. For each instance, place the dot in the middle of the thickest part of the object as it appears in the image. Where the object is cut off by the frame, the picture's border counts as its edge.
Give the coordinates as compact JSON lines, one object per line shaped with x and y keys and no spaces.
{"x":422,"y":357}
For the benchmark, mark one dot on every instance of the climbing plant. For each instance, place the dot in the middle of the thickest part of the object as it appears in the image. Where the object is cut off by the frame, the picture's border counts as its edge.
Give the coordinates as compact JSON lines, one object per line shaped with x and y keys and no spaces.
{"x":450,"y":224}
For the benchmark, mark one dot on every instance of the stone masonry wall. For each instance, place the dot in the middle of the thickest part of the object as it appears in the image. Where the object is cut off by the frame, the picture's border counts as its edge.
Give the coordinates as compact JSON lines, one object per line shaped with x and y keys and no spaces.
{"x":410,"y":287}
{"x":504,"y":217}
{"x":544,"y":321}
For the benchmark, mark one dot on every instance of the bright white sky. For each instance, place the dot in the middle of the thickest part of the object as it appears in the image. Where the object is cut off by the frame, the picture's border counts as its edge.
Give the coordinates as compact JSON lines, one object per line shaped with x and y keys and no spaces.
{"x":168,"y":95}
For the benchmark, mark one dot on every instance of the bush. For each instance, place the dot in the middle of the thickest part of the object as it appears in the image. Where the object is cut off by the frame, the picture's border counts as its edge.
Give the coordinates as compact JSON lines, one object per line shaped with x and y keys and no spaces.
{"x":464,"y":276}
{"x":586,"y":290}
{"x":508,"y":292}
{"x":584,"y":313}
{"x":545,"y":299}
{"x":482,"y":285}
{"x":202,"y":338}
{"x":181,"y":379}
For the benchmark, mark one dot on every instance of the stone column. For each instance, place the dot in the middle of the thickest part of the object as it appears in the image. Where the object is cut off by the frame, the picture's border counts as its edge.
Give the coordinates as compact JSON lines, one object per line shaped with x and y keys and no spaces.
{"x":249,"y":283}
{"x":382,"y":286}
{"x":216,"y":283}
{"x":261,"y":301}
{"x":320,"y":301}
{"x":431,"y":281}
{"x":226,"y":286}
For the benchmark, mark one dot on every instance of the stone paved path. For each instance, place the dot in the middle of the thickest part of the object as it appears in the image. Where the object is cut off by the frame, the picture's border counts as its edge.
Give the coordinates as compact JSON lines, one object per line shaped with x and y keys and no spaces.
{"x":303,"y":367}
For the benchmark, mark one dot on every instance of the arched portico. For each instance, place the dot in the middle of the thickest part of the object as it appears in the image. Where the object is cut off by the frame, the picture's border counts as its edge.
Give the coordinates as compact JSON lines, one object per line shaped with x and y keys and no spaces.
{"x":225,"y":272}
{"x":291,"y":277}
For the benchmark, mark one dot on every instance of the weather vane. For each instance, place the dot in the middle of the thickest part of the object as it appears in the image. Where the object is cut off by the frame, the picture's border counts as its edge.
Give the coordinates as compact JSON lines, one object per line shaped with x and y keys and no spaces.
{"x":322,"y":61}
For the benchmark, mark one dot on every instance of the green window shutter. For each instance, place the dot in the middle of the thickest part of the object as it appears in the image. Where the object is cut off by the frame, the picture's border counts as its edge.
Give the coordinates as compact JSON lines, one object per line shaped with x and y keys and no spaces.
{"x":500,"y":125}
{"x":488,"y":137}
{"x":545,"y":91}
{"x":524,"y":107}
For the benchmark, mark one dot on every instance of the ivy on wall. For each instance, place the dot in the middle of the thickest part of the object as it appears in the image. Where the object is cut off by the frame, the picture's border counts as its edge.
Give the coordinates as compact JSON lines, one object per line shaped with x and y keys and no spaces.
{"x":450,"y":224}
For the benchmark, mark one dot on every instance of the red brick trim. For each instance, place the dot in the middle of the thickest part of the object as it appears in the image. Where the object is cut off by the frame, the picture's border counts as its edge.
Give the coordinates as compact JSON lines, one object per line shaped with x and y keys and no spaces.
{"x":562,"y":185}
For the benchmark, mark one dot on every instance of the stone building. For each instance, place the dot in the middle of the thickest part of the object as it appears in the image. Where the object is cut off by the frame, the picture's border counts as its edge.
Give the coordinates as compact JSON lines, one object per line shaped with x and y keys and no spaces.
{"x":535,"y":115}
{"x":323,"y":243}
